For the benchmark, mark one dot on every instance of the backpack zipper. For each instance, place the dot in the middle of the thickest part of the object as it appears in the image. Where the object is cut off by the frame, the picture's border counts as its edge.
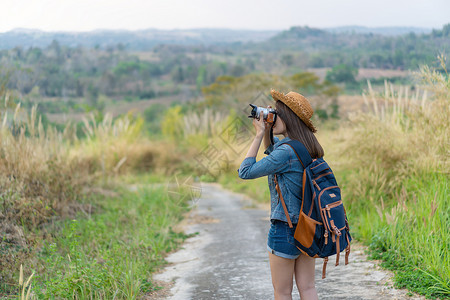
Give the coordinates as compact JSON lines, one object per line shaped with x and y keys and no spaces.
{"x":328,"y":210}
{"x":328,"y":207}
{"x":323,"y":175}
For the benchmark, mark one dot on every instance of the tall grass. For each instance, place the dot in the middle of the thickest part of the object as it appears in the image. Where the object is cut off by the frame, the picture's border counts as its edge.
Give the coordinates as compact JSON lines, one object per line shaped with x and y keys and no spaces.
{"x":113,"y":147}
{"x":393,"y":163}
{"x":37,"y":183}
{"x":208,"y":122}
{"x":47,"y":175}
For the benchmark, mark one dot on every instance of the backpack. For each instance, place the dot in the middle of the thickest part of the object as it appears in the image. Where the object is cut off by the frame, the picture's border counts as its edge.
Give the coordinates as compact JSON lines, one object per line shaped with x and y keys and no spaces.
{"x":322,"y":229}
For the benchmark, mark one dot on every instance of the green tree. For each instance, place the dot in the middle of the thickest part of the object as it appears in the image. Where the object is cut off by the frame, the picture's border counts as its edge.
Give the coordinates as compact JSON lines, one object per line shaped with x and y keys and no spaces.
{"x":287,"y":60}
{"x":201,"y":77}
{"x":342,"y":73}
{"x":305,"y":80}
{"x":237,"y":71}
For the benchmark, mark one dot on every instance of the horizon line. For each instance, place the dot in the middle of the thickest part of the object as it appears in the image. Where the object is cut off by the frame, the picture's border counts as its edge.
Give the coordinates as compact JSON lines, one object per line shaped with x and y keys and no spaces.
{"x":209,"y":28}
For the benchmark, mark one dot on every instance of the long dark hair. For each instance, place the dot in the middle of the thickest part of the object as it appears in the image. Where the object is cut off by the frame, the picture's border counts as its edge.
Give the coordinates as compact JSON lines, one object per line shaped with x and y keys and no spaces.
{"x":297,"y":130}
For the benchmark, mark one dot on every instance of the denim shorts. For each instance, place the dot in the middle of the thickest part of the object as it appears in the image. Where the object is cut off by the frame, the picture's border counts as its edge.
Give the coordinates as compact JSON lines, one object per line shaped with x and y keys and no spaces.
{"x":280,"y":240}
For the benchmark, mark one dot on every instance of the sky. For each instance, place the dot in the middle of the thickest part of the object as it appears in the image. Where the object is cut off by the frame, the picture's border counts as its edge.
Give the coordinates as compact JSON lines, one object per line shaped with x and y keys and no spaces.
{"x":87,"y":15}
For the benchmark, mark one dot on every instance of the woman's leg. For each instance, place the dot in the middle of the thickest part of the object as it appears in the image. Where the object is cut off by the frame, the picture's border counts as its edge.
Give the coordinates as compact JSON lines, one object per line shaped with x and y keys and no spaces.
{"x":304,"y":277}
{"x":282,"y":270}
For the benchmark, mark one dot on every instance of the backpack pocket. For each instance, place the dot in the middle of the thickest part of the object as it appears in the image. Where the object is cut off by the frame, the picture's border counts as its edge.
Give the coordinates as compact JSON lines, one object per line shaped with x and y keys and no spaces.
{"x":332,"y":208}
{"x":334,"y":215}
{"x":322,"y":166}
{"x":307,"y":231}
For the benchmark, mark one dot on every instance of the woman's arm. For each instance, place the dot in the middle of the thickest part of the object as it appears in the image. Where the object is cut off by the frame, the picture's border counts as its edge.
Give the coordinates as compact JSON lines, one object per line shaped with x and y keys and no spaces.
{"x":253,"y":151}
{"x":261,"y":127}
{"x":277,"y":162}
{"x":266,"y":135}
{"x":267,"y":138}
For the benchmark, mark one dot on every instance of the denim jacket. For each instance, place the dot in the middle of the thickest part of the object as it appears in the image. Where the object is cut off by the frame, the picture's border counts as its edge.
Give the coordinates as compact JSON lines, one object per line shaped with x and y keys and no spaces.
{"x":283,"y":161}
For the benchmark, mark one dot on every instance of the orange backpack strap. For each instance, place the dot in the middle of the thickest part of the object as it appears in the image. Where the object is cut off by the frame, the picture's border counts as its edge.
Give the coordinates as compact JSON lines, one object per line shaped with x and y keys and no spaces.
{"x":324,"y":269}
{"x":347,"y":251}
{"x":282,"y":203}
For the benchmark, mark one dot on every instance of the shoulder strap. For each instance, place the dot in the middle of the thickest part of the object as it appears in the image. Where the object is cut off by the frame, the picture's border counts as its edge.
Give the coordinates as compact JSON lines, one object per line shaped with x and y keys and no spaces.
{"x":282,"y":203}
{"x":305,"y":159}
{"x":302,"y":153}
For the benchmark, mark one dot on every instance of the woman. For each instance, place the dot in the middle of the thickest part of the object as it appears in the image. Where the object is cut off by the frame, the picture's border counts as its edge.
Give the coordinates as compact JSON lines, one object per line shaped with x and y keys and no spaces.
{"x":293,"y":122}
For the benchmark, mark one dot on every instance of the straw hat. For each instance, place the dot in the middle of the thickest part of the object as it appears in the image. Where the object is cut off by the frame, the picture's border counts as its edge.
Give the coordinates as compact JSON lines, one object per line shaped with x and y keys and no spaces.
{"x":298,"y":104}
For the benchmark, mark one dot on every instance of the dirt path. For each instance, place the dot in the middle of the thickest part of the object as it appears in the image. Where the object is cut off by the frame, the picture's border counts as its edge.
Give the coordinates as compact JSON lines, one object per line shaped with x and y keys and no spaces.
{"x":228,"y":258}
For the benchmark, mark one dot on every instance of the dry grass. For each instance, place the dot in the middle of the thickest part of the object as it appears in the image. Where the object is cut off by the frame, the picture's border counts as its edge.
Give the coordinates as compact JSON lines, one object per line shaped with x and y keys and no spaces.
{"x":208,"y":122}
{"x":396,"y":133}
{"x":391,"y":159}
{"x":44,"y":173}
{"x":392,"y":162}
{"x":37,"y":182}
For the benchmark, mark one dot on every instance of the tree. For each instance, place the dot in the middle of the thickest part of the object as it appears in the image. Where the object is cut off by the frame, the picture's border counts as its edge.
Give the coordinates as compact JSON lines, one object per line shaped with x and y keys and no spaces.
{"x":287,"y":60}
{"x":237,"y":70}
{"x":177,"y":74}
{"x":342,"y":73}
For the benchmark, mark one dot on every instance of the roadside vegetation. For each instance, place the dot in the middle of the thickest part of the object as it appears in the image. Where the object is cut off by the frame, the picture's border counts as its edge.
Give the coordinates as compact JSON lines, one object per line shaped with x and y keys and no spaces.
{"x":70,"y":222}
{"x":85,"y":209}
{"x":393,"y":164}
{"x":111,"y":253}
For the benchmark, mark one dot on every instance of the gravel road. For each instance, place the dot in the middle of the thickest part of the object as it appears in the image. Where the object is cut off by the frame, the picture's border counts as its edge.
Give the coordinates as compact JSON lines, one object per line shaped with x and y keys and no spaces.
{"x":228,"y":259}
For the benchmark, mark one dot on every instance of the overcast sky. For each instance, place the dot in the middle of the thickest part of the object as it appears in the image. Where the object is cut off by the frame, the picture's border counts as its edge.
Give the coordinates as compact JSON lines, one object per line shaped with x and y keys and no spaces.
{"x":85,"y":15}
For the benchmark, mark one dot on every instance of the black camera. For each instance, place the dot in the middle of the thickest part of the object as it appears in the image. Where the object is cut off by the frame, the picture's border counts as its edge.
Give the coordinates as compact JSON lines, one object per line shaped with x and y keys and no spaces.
{"x":269,"y":114}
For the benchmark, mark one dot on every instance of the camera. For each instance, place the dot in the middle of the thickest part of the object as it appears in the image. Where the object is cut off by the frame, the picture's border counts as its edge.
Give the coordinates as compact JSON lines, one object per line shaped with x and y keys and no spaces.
{"x":269,"y":114}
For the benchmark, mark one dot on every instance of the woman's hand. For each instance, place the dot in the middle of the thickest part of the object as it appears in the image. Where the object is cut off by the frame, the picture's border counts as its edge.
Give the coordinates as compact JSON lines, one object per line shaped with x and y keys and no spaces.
{"x":261,"y":125}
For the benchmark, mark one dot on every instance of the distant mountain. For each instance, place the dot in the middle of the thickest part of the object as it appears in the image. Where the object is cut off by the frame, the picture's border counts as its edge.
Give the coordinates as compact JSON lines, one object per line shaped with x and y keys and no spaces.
{"x":344,"y":39}
{"x":148,"y":38}
{"x":379,"y":30}
{"x":134,"y":40}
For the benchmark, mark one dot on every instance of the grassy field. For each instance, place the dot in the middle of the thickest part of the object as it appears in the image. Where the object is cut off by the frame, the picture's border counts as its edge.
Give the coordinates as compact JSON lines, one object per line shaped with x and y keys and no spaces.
{"x":71,"y":227}
{"x":110,"y":254}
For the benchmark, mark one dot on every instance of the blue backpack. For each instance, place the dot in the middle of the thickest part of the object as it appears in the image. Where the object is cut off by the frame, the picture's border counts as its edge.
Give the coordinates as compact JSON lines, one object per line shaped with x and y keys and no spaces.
{"x":322,"y":229}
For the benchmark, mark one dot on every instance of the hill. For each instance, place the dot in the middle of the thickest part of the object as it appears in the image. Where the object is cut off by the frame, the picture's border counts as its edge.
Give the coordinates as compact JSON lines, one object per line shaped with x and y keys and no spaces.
{"x":324,"y":48}
{"x":388,"y":31}
{"x":132,"y":40}
{"x":148,"y":38}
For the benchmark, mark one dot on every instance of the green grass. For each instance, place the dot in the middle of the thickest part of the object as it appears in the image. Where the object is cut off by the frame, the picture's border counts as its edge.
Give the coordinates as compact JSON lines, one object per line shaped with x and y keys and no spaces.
{"x":411,"y":234}
{"x":142,"y":178}
{"x":111,"y":254}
